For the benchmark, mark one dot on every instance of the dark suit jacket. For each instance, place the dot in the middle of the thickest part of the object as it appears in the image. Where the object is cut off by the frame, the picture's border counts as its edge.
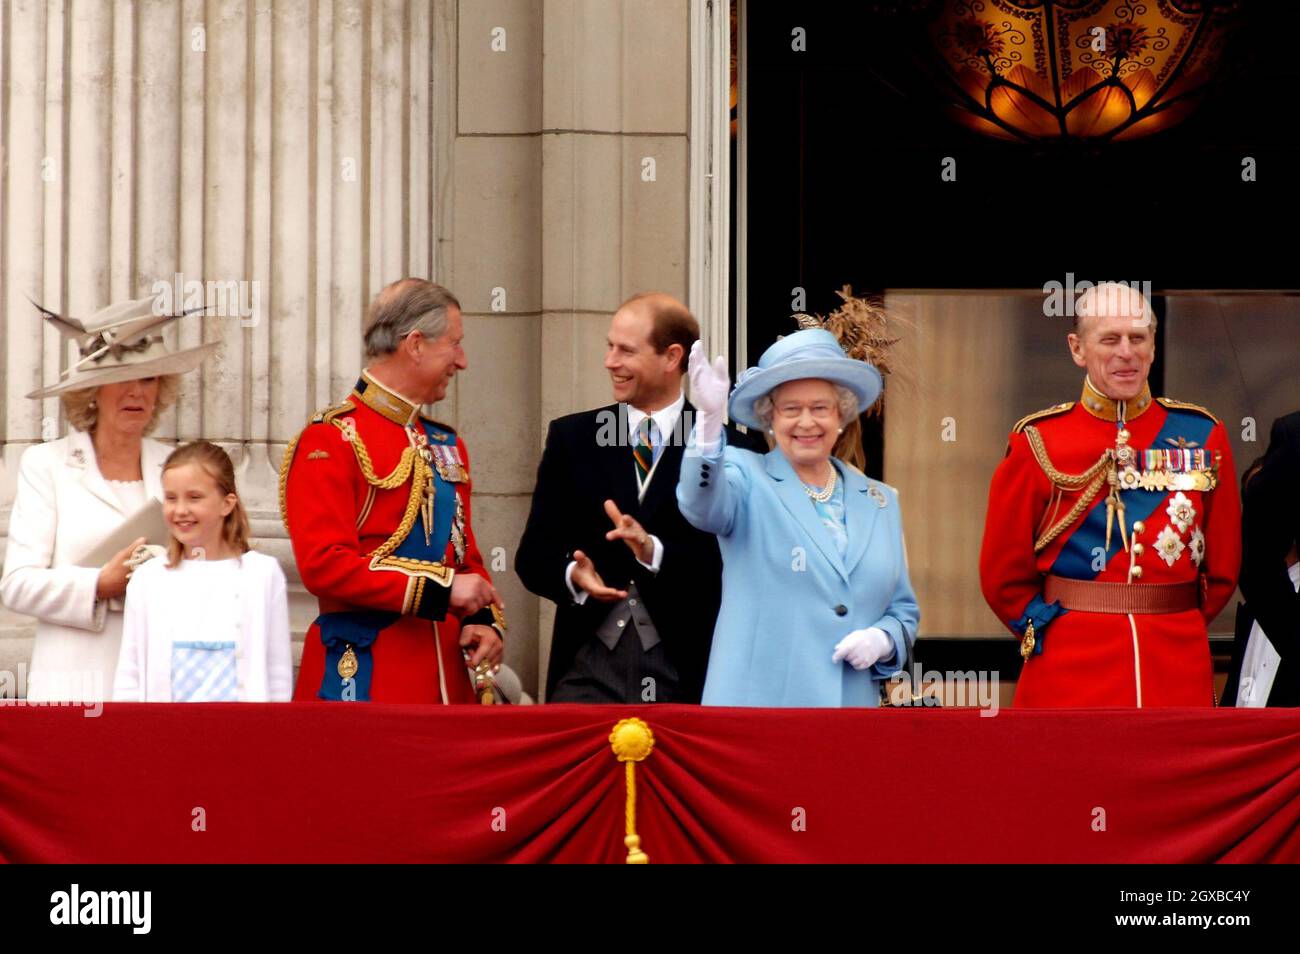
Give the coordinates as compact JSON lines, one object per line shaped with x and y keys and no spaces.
{"x":576,"y":476}
{"x":1270,"y":526}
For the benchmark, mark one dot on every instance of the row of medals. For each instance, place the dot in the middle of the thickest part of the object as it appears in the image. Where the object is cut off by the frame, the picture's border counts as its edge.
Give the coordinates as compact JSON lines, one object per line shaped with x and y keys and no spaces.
{"x":1132,"y":478}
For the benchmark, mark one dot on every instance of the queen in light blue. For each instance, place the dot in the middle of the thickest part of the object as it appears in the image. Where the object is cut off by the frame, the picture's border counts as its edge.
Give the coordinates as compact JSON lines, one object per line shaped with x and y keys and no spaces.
{"x":817,"y":607}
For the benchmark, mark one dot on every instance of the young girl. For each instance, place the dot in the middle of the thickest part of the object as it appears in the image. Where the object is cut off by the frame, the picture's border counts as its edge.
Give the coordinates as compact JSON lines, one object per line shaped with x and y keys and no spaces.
{"x":211,"y":622}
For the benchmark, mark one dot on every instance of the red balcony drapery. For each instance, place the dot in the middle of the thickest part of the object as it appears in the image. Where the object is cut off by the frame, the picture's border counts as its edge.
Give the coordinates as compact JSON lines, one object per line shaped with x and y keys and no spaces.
{"x":333,"y":783}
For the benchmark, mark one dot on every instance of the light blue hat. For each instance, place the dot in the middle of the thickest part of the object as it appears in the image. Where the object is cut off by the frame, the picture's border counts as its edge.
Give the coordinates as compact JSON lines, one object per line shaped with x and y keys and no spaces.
{"x":811,"y":353}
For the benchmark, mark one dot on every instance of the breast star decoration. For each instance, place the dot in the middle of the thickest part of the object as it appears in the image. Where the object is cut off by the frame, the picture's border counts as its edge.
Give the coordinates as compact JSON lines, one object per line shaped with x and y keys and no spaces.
{"x":1181,"y":512}
{"x":1169,"y":546}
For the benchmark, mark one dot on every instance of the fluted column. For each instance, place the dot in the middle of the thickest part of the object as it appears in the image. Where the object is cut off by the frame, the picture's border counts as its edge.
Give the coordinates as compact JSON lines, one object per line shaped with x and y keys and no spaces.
{"x":280,"y":154}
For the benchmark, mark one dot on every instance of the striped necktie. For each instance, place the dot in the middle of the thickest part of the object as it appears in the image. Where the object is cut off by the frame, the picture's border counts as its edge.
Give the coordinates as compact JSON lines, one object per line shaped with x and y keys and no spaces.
{"x":644,"y":452}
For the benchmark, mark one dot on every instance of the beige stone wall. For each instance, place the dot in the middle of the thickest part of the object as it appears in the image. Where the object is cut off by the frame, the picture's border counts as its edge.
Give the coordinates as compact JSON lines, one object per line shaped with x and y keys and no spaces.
{"x":322,"y":149}
{"x":969,"y":366}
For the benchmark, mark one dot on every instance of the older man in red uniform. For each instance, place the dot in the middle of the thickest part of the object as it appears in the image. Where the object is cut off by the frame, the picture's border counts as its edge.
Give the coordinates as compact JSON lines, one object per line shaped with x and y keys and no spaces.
{"x":1113,"y":528}
{"x":376,"y":499}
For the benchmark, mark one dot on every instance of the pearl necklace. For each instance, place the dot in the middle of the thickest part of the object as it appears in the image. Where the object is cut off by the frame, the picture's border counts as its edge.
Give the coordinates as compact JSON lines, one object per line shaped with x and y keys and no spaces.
{"x":823,"y":495}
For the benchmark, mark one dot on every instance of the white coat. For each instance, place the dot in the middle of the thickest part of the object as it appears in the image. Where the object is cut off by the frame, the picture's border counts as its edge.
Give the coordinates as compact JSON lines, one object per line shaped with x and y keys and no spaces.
{"x":64,"y":508}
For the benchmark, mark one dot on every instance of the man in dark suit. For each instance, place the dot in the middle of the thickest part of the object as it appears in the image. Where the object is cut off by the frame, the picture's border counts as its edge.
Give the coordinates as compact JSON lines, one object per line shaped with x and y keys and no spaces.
{"x":1266,"y":661}
{"x":636,"y":587}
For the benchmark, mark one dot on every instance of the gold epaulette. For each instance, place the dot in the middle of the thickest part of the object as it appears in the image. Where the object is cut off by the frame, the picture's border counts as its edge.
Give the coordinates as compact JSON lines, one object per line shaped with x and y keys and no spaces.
{"x":329,"y":413}
{"x":1184,"y":406}
{"x":446,"y":427}
{"x":438,"y":424}
{"x":1039,"y":415}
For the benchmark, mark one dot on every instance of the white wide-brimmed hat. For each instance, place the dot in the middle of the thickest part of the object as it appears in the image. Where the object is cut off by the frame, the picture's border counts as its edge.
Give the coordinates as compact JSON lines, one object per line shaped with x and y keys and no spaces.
{"x":812,"y":353}
{"x":122,"y":342}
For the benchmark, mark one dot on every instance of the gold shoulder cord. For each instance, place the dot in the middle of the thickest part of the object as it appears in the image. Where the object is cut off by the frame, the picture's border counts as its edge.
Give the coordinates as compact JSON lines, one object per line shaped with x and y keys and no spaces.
{"x":1090,"y":481}
{"x":329,"y":414}
{"x":405,"y":469}
{"x":284,"y":480}
{"x":395,"y":479}
{"x":399,"y":475}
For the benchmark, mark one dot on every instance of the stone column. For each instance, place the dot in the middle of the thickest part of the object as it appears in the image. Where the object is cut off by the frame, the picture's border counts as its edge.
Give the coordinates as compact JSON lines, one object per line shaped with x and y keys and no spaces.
{"x":289,"y":151}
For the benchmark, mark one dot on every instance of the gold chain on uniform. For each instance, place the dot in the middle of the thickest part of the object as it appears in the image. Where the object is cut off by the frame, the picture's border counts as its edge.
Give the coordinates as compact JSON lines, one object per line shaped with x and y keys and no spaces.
{"x":284,"y":482}
{"x":1093,"y":479}
{"x":422,"y":475}
{"x":398,"y":476}
{"x":395,"y":479}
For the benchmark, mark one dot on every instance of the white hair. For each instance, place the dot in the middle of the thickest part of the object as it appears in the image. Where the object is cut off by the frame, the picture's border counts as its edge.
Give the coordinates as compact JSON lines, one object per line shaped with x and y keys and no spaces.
{"x":1115,"y":300}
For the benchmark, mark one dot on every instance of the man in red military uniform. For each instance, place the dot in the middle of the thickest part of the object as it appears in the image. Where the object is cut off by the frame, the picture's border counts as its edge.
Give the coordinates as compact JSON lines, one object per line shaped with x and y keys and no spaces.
{"x":376,"y":499}
{"x":1113,"y":528}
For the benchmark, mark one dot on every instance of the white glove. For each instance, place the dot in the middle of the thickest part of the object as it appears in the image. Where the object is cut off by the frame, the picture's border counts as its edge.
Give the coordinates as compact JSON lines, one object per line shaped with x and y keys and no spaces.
{"x":863,"y":648}
{"x":143,"y":554}
{"x":710,"y":385}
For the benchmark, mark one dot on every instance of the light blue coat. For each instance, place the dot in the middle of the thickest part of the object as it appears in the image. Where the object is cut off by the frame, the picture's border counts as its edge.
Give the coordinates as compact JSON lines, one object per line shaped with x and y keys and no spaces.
{"x":783,"y":581}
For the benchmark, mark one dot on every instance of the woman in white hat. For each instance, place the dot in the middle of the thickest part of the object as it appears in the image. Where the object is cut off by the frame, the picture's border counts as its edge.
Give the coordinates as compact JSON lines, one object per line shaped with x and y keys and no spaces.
{"x":817,"y":607}
{"x":78,"y":492}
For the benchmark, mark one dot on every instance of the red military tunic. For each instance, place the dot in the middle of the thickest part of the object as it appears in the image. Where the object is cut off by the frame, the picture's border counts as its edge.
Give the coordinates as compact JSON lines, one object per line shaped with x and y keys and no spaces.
{"x":1188,"y":534}
{"x":350,"y":501}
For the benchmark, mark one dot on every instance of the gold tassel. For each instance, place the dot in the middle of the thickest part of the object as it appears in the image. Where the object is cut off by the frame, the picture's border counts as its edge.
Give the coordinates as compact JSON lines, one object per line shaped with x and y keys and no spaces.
{"x":1110,"y":516}
{"x":1027,"y":642}
{"x":632,"y":742}
{"x":1123,"y":534}
{"x":430,"y":489}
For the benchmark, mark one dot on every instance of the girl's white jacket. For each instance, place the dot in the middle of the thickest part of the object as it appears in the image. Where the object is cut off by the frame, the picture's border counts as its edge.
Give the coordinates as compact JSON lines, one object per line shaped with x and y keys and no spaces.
{"x":159,"y":601}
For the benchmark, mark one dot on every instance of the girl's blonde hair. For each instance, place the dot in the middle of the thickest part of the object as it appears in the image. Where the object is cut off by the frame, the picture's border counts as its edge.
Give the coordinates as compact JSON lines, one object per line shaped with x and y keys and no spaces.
{"x":218,"y":465}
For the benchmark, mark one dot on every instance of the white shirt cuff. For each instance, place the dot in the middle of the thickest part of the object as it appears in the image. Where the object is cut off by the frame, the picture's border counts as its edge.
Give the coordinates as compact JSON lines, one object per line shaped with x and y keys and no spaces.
{"x":579,"y":596}
{"x":656,"y":559}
